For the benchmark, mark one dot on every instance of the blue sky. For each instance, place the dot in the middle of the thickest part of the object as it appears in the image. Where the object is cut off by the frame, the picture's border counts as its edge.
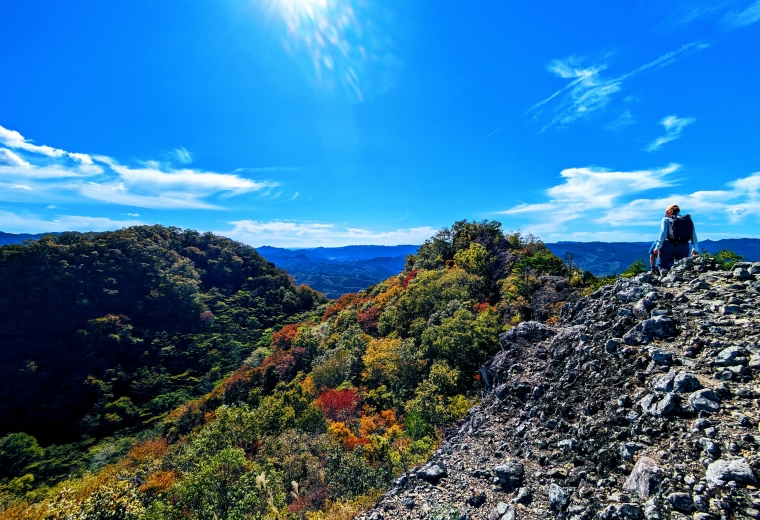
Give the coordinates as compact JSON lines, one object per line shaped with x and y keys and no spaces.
{"x":303,"y":123}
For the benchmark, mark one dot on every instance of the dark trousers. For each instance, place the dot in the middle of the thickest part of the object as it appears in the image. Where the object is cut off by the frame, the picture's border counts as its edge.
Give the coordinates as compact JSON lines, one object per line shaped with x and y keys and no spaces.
{"x":671,"y":251}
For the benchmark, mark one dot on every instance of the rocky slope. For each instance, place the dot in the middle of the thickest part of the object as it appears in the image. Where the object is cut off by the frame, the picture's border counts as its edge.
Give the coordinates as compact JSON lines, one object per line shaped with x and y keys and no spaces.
{"x":642,"y":403}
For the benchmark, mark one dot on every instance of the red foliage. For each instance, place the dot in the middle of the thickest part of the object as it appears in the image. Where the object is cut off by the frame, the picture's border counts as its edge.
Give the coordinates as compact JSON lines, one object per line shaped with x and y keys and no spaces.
{"x":368,"y":320}
{"x":339,"y":405}
{"x":480,"y":307}
{"x":345,"y":301}
{"x":283,"y":338}
{"x":312,"y":501}
{"x":411,"y":276}
{"x":237,"y":385}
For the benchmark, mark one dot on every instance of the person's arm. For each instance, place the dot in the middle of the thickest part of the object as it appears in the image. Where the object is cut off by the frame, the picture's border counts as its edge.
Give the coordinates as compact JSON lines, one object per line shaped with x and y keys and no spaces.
{"x":695,"y":242}
{"x":663,"y":234}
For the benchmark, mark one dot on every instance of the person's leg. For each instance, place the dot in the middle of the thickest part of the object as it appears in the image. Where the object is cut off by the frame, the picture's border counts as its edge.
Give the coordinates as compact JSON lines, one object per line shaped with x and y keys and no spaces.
{"x":681,"y":251}
{"x":667,"y":255}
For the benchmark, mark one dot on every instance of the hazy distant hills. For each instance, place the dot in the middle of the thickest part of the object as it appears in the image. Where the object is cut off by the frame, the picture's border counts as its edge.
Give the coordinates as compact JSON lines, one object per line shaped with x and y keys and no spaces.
{"x":339,"y":270}
{"x":606,"y":258}
{"x":17,"y":238}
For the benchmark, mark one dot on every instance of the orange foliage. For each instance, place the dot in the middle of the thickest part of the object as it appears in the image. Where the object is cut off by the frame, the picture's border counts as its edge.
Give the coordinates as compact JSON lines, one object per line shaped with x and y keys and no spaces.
{"x":283,"y":339}
{"x":160,"y":482}
{"x":345,"y":301}
{"x":153,"y":449}
{"x":480,"y":307}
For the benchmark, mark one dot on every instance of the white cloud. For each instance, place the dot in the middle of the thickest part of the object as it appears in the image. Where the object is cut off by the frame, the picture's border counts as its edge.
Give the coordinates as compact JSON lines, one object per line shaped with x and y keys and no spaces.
{"x":588,"y":91}
{"x":8,"y":158}
{"x":14,"y":223}
{"x":592,"y":204}
{"x":673,"y":125}
{"x":182,"y":155}
{"x":55,"y":174}
{"x":21,"y":187}
{"x":743,"y":18}
{"x":311,"y":234}
{"x":13,"y":139}
{"x":623,"y":120}
{"x":592,"y":189}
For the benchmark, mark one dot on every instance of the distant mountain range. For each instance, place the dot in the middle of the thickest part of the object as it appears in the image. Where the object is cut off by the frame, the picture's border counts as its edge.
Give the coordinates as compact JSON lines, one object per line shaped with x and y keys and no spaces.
{"x":339,"y":270}
{"x":607,"y":258}
{"x":334,"y":271}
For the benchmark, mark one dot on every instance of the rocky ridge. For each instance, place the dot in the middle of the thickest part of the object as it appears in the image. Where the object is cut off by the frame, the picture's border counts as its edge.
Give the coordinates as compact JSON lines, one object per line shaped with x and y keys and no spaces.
{"x":641,"y":403}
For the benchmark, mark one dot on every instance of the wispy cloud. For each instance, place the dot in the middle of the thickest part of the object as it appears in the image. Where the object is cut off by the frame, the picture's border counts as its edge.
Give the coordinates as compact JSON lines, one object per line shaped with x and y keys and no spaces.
{"x":314,"y":234}
{"x":673,"y":125}
{"x":742,"y":18}
{"x":594,"y":204}
{"x":592,"y":189}
{"x":30,"y":223}
{"x":589,"y":91}
{"x":55,"y":174}
{"x":623,"y":120}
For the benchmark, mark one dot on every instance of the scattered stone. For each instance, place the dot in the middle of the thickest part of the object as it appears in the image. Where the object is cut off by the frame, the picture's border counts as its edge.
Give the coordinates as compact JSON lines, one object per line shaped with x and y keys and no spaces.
{"x":705,"y":400}
{"x":681,"y":502}
{"x":622,"y":512}
{"x":433,"y":472}
{"x":524,"y":496}
{"x":645,"y":478}
{"x":722,"y":471}
{"x":658,"y":404}
{"x":558,"y":498}
{"x":676,"y":381}
{"x":510,"y":475}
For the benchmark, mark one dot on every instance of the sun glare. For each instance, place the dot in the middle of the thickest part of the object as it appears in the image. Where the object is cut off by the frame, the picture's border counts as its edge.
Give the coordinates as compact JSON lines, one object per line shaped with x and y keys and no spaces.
{"x":340,"y":44}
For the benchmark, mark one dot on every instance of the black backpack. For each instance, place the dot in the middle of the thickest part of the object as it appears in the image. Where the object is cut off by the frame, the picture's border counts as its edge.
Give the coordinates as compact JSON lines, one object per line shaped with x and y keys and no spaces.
{"x":681,"y":229}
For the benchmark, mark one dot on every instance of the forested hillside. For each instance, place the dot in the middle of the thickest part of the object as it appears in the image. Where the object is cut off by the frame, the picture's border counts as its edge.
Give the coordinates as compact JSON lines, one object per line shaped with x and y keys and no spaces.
{"x":105,"y":333}
{"x":319,"y":417}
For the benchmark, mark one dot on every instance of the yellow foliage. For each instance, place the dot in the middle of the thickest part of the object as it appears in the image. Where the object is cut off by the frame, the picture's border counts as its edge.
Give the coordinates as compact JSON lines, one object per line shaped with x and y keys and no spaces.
{"x":309,"y":388}
{"x":339,"y":430}
{"x":381,"y":300}
{"x":344,"y":510}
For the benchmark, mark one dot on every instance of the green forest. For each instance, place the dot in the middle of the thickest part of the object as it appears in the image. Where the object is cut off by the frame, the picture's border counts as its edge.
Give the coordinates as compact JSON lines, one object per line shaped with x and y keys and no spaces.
{"x":158,"y":373}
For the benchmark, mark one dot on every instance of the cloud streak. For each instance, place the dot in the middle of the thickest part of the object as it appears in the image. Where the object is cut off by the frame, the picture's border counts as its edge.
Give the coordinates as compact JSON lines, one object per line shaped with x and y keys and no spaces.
{"x":53,"y":174}
{"x":673,"y":125}
{"x":743,"y":18}
{"x":14,"y":223}
{"x":596,"y":204}
{"x":314,"y":234}
{"x":589,"y":91}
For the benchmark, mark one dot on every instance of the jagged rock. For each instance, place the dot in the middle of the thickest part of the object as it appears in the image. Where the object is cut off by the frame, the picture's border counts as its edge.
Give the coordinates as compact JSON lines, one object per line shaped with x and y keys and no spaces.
{"x":642,"y":308}
{"x":524,"y":496}
{"x":558,"y":409}
{"x":622,"y":512}
{"x":527,"y":332}
{"x":659,"y":404}
{"x":722,"y":471}
{"x":661,"y":357}
{"x":408,"y":503}
{"x":644,"y":479}
{"x":742,"y":274}
{"x":659,"y":327}
{"x":730,"y":356}
{"x":677,"y":382}
{"x":681,"y":502}
{"x":709,"y":446}
{"x":510,"y":475}
{"x":558,"y":498}
{"x":432,"y":472}
{"x":705,"y":400}
{"x":628,"y":449}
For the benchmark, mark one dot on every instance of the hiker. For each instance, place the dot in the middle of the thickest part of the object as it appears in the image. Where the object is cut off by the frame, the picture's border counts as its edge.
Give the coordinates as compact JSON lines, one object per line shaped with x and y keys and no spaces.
{"x":654,"y":259}
{"x":675,"y":234}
